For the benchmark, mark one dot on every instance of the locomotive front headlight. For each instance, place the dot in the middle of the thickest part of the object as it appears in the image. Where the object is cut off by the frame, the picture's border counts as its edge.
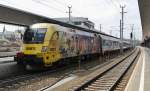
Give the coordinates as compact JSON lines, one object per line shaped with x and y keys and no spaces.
{"x":44,"y":48}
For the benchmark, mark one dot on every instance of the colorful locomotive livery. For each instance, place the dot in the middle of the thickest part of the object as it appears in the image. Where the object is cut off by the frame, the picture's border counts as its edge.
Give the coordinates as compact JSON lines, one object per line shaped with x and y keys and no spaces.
{"x":45,"y":44}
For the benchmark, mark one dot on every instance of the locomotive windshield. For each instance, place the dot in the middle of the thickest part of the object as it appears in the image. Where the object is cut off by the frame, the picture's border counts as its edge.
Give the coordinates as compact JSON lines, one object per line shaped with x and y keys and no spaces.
{"x":34,"y":35}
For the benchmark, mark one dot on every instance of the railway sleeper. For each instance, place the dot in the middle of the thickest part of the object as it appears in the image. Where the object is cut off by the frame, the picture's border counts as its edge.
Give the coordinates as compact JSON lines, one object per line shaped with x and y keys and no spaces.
{"x":102,"y":83}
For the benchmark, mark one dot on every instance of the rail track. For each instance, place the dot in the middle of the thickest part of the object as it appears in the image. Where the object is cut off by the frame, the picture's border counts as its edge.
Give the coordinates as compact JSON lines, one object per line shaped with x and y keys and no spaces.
{"x":21,"y":80}
{"x":109,"y":79}
{"x":15,"y":82}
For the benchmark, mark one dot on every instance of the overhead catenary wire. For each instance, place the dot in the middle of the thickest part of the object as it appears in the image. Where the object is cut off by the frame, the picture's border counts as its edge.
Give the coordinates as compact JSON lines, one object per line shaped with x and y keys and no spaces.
{"x":47,"y":5}
{"x":59,"y":10}
{"x":13,"y":4}
{"x":24,"y":8}
{"x":116,"y":5}
{"x":54,"y":3}
{"x":61,"y":3}
{"x":109,"y":2}
{"x":64,"y":5}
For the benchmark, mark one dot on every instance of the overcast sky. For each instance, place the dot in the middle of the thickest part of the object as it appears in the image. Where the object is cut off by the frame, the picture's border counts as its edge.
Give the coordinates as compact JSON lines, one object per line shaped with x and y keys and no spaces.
{"x":105,"y":12}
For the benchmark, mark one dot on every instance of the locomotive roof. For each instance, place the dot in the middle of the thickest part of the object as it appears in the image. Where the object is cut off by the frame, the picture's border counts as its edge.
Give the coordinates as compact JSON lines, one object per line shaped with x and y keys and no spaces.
{"x":82,"y":29}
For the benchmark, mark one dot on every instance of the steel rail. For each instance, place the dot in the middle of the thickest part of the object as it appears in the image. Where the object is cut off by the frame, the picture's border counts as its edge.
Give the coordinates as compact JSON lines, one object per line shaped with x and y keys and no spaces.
{"x":92,"y":80}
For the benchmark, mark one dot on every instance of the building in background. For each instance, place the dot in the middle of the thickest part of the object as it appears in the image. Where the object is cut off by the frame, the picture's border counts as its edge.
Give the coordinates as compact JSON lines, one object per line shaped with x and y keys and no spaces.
{"x":79,"y":21}
{"x":11,"y":36}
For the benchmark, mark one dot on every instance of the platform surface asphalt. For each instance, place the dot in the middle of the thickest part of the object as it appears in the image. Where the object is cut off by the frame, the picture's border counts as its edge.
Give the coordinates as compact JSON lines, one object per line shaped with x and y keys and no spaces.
{"x":6,"y":60}
{"x":140,"y":78}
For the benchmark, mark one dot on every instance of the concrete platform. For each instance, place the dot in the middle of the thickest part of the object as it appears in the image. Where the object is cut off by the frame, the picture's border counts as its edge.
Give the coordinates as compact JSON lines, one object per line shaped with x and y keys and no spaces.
{"x":140,"y":79}
{"x":6,"y":60}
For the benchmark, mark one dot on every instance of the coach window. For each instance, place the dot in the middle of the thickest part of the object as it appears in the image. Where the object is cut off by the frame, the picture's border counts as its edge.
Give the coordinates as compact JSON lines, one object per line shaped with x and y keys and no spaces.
{"x":92,"y":40}
{"x":104,"y":43}
{"x":107,"y":43}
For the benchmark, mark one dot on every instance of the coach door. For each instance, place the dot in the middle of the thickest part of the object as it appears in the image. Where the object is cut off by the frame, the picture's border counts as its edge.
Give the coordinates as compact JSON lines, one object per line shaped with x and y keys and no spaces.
{"x":77,"y":44}
{"x":100,"y":44}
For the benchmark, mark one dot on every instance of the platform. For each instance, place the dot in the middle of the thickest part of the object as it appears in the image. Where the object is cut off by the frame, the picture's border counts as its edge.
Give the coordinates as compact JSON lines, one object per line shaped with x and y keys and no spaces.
{"x":140,"y":78}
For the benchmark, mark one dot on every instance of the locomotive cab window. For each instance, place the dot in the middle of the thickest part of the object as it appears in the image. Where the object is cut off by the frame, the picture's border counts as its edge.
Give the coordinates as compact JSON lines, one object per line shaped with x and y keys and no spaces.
{"x":34,"y":35}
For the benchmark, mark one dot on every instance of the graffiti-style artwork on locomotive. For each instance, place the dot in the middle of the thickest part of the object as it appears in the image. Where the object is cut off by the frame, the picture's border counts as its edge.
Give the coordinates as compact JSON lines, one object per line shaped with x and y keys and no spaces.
{"x":67,"y":44}
{"x":73,"y":44}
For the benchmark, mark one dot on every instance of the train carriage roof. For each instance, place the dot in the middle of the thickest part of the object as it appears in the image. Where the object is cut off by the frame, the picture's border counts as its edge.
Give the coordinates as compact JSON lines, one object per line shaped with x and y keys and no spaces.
{"x":127,"y":41}
{"x":109,"y":38}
